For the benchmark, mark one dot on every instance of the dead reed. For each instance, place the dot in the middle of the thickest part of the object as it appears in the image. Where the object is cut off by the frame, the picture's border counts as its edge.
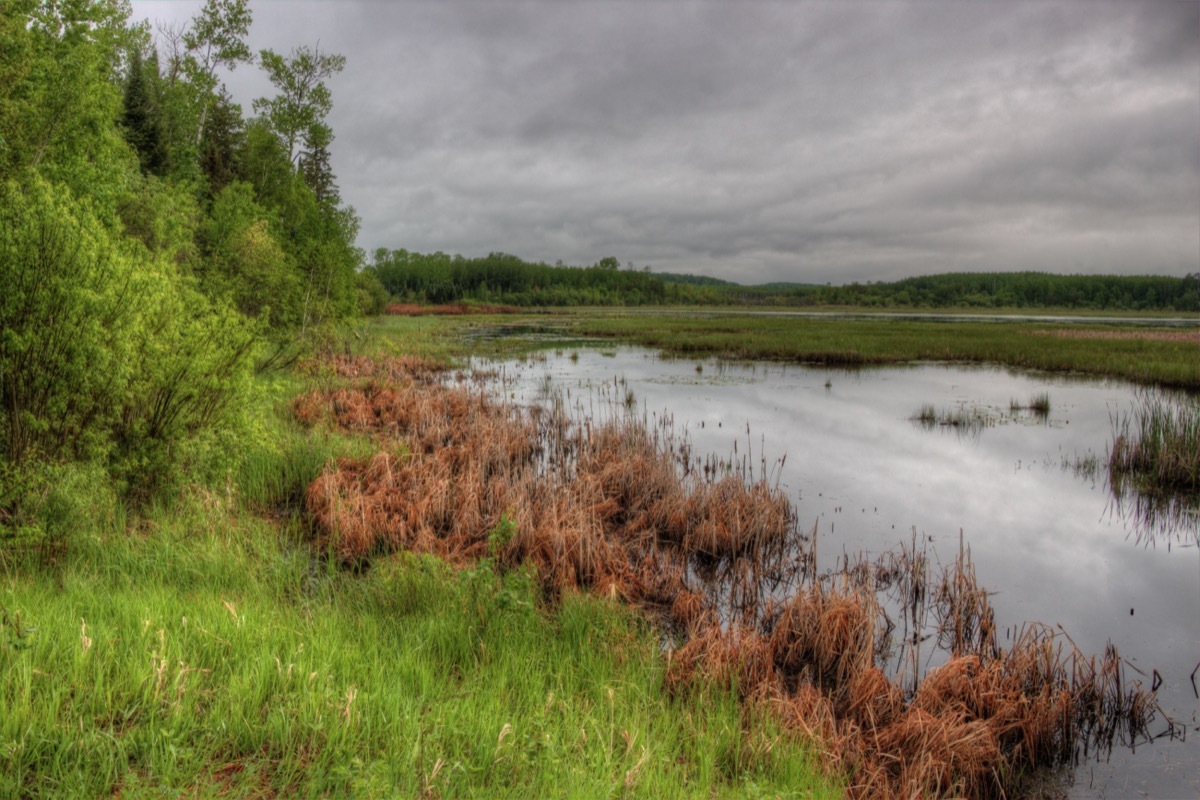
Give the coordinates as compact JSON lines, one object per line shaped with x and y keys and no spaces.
{"x":618,"y":506}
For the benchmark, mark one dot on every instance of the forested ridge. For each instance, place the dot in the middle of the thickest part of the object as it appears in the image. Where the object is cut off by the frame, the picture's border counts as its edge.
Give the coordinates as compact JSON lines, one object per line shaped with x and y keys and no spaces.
{"x":158,"y":244}
{"x":504,"y":278}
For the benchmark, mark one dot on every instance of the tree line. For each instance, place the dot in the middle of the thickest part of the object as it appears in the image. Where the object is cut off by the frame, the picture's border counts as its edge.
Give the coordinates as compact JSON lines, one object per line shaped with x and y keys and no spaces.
{"x":157,"y":244}
{"x":503,"y":278}
{"x":507,"y":279}
{"x":1006,"y":290}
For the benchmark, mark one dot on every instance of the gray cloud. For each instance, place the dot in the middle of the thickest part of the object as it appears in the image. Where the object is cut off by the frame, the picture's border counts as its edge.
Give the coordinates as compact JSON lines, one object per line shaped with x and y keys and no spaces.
{"x":765,"y":140}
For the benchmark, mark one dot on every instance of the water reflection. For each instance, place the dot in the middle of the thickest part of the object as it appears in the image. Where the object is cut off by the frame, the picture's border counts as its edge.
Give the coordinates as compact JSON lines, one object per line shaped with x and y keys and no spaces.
{"x":1049,"y":536}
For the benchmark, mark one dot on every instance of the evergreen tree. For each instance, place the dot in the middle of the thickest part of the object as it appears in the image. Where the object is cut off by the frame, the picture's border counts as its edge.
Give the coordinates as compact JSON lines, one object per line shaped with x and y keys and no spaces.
{"x":316,"y":169}
{"x":141,"y":120}
{"x":221,"y":143}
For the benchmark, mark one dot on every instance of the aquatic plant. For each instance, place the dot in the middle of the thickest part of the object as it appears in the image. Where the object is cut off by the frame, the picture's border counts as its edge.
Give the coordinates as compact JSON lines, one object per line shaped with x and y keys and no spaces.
{"x":614,"y":505}
{"x":1154,"y":464}
{"x":961,"y":418}
{"x":1157,"y":444}
{"x":1040,"y":404}
{"x":927,"y":415}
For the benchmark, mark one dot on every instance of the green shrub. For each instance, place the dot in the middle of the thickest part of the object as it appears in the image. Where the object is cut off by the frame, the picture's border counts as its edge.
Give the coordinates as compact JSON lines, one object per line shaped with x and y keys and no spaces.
{"x":67,"y":334}
{"x":107,"y":354}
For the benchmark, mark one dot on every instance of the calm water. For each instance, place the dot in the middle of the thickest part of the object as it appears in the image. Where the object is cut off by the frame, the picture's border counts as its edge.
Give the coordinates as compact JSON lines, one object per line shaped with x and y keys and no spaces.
{"x":1044,"y":537}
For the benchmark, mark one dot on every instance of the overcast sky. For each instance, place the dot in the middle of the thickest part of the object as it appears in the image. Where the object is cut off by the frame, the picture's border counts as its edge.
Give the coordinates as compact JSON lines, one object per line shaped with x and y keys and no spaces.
{"x":759,"y":141}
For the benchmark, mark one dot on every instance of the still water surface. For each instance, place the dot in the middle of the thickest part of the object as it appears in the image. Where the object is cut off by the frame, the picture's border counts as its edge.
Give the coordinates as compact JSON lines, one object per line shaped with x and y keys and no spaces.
{"x":1045,"y":537}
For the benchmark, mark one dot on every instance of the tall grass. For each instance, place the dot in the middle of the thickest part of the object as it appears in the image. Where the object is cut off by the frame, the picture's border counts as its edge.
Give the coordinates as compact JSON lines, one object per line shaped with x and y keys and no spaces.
{"x":1154,"y":464}
{"x":1157,"y":444}
{"x":198,"y":657}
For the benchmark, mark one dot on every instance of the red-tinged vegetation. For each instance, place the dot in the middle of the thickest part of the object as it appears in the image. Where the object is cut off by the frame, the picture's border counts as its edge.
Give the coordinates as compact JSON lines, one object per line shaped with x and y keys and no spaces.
{"x":455,"y":310}
{"x":1126,"y":335}
{"x":619,"y":509}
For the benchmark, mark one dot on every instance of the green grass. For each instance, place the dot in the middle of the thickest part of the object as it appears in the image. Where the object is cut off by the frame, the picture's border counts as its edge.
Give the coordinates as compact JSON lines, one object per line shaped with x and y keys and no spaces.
{"x":204,"y":655}
{"x":865,"y":342}
{"x":1157,"y":445}
{"x":200,"y":648}
{"x":451,"y":339}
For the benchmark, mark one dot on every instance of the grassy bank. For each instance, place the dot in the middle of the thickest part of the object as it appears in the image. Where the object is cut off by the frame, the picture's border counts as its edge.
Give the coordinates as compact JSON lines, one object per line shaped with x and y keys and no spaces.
{"x":203,"y":648}
{"x":1167,"y":357}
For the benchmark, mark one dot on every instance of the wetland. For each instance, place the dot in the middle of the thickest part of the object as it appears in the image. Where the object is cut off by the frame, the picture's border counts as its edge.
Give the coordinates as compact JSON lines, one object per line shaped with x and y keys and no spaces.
{"x":1021,"y":488}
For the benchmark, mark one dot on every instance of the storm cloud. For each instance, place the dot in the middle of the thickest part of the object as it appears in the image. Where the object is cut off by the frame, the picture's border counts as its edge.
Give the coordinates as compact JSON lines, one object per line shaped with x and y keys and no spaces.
{"x":761,"y":141}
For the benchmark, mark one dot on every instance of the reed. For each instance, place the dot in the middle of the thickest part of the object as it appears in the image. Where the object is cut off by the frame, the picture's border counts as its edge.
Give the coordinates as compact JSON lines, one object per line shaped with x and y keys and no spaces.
{"x":1156,"y":445}
{"x":608,"y":503}
{"x":1040,"y":404}
{"x":960,"y":419}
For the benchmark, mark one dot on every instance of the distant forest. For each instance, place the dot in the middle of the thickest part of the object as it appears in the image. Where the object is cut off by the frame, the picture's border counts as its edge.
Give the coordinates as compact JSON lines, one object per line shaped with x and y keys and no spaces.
{"x":507,"y":279}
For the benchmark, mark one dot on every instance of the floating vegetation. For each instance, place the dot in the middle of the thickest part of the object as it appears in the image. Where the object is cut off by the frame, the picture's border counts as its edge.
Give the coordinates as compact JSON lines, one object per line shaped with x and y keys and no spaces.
{"x":964,"y":419}
{"x":611,"y":503}
{"x":1038,"y":405}
{"x":1084,"y":466}
{"x":961,"y":419}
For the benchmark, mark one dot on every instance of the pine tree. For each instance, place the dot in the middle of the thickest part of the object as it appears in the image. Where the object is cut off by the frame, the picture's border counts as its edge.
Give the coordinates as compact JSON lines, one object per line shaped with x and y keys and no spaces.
{"x":140,"y":117}
{"x":316,"y":169}
{"x":221,"y":143}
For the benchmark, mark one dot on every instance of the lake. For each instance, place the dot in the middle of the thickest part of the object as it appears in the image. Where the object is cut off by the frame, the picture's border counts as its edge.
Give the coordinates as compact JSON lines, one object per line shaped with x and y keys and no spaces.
{"x":1020,"y":487}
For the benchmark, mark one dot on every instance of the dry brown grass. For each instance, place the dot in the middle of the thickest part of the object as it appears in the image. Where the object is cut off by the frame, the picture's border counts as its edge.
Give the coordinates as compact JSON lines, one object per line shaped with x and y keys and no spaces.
{"x":613,"y":508}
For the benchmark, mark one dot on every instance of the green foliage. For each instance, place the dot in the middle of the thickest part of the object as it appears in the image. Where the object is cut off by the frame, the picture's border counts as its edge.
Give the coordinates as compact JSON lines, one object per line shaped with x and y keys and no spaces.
{"x":165,"y":217}
{"x":504,"y":278}
{"x":244,"y":261}
{"x":141,"y":118}
{"x":297,"y":114}
{"x":217,"y":36}
{"x":47,"y":506}
{"x":67,"y":339}
{"x":221,"y":143}
{"x":15,"y":634}
{"x":193,"y":369}
{"x":372,"y":296}
{"x":60,"y":98}
{"x":106,"y":352}
{"x":1001,"y":290}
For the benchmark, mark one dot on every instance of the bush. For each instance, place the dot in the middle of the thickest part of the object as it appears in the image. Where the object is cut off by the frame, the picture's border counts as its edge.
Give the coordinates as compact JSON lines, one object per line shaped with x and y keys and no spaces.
{"x":194,"y":365}
{"x":372,"y":296}
{"x":108,"y":356}
{"x":66,"y":331}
